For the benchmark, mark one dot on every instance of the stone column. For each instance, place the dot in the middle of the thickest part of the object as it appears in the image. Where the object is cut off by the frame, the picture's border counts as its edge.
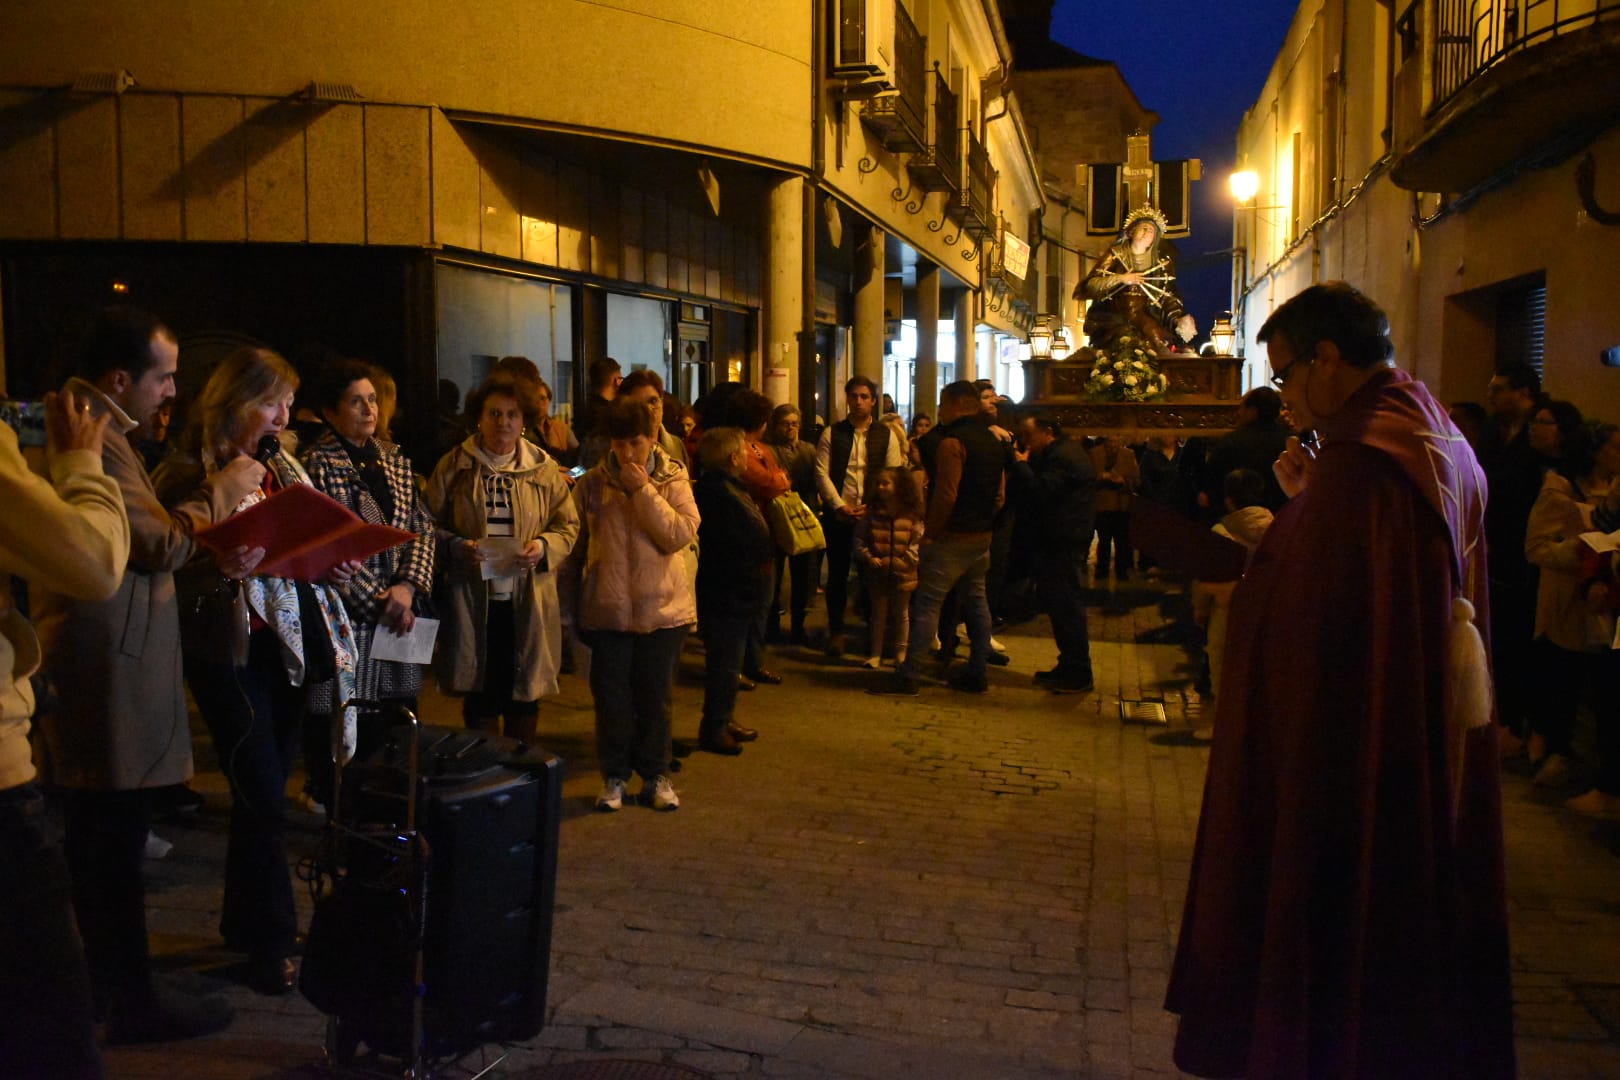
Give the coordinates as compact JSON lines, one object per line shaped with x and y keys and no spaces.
{"x":869,"y":303}
{"x":925,"y":391}
{"x":784,"y":288}
{"x":965,"y":352}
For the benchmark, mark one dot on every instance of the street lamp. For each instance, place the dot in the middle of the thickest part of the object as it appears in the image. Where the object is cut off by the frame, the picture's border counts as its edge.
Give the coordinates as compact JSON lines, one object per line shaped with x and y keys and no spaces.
{"x":1062,"y":344}
{"x":1040,"y":339}
{"x":1245,"y":185}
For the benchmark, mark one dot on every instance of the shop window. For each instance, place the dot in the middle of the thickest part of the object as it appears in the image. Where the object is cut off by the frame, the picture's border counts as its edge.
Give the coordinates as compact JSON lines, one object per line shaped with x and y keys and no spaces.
{"x":485,"y":314}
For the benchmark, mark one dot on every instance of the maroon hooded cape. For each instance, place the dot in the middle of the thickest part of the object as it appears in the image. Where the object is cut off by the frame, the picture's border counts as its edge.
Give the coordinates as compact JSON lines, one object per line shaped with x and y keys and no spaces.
{"x":1346,"y":914}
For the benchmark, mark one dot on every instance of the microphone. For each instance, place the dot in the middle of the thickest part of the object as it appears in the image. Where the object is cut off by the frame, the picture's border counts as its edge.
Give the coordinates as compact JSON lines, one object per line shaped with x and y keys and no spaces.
{"x":269,"y":447}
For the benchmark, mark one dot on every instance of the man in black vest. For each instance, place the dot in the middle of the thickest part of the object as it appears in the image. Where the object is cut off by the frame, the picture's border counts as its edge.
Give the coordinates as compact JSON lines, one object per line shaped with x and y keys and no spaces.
{"x":849,"y":457}
{"x":970,"y":478}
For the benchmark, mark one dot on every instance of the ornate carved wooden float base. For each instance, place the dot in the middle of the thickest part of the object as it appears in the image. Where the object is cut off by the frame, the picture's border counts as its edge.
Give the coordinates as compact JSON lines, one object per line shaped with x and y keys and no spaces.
{"x":1203,"y":399}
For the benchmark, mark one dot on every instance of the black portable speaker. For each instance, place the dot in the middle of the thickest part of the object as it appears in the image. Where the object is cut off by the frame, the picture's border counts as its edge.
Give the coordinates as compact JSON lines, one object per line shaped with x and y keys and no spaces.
{"x":484,"y":866}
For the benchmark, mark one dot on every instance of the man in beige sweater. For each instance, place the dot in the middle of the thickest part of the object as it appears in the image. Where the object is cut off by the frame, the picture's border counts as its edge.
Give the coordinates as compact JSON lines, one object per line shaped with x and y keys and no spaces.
{"x":68,"y":534}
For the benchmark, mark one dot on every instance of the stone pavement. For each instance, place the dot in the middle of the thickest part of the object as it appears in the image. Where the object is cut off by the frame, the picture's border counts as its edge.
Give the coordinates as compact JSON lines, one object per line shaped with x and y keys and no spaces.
{"x":953,"y":886}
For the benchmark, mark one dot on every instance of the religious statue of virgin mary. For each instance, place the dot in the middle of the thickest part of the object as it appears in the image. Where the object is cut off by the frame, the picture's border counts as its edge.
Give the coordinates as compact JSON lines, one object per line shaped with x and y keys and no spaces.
{"x":1133,"y":286}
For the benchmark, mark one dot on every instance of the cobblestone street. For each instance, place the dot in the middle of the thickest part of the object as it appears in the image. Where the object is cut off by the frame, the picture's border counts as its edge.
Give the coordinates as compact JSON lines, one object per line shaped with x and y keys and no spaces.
{"x":952,"y":886}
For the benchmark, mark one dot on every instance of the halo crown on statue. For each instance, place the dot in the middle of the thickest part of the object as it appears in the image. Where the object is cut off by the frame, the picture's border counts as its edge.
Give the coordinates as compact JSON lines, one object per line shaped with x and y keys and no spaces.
{"x":1146,"y":212}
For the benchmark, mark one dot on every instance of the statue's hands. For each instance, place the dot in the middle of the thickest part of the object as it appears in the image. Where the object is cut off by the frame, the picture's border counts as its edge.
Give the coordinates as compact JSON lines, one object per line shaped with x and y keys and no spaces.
{"x":1186,"y":328}
{"x":1132,"y":278}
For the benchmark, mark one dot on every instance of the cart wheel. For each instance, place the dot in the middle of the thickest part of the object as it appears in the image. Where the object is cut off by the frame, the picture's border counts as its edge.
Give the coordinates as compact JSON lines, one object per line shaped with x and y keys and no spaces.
{"x":342,"y":1041}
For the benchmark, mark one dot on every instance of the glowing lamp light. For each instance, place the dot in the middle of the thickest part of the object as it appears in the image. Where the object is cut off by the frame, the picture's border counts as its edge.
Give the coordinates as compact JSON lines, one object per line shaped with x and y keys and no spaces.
{"x":1062,"y":344}
{"x":1245,"y":185}
{"x":120,"y":287}
{"x":1040,"y":340}
{"x":1222,"y":336}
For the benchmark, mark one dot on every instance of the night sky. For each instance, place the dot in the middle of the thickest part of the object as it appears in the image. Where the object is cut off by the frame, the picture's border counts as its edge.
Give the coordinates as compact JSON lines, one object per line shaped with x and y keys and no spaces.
{"x":1199,"y":65}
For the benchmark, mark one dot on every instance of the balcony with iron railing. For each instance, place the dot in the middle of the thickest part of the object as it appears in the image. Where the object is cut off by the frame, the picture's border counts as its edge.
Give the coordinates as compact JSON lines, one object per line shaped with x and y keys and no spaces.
{"x":1510,"y":79}
{"x":938,"y":166}
{"x":900,"y":119}
{"x":971,"y":207}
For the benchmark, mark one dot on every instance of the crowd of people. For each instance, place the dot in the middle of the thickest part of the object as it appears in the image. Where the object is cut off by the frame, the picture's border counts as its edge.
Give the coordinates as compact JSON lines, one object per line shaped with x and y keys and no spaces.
{"x":1554,"y":477}
{"x":539,"y":544}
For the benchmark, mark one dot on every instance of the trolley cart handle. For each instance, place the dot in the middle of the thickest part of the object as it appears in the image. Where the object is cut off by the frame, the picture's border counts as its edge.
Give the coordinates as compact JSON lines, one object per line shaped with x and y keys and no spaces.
{"x":411,"y":755}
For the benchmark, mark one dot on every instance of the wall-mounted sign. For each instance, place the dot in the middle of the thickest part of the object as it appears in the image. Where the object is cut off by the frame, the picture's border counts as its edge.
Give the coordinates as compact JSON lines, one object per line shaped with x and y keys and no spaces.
{"x":1014,"y":256}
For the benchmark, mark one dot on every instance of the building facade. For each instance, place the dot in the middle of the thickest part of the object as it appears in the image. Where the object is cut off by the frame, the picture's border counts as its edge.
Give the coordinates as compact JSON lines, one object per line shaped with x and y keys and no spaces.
{"x":713,"y":190}
{"x":1460,"y":163}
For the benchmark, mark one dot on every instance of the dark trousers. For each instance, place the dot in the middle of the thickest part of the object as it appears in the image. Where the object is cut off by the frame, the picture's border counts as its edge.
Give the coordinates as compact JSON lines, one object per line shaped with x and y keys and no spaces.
{"x":1114,"y":539}
{"x":1564,"y":680}
{"x":46,"y":1025}
{"x":1513,"y":621}
{"x":483,"y":710}
{"x":840,"y":547}
{"x":631,"y":679}
{"x":801,"y":569}
{"x":1060,"y":578}
{"x":106,"y":847}
{"x":725,"y":644}
{"x":253,"y":715}
{"x":1001,"y":550}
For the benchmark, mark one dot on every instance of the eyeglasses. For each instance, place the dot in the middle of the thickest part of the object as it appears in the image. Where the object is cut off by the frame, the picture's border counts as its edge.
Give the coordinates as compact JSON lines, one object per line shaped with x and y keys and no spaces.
{"x":1280,"y":378}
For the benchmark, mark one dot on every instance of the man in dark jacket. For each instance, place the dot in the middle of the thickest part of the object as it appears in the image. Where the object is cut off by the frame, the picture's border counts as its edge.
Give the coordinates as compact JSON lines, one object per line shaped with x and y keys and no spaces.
{"x":1057,"y":488}
{"x":969,"y":486}
{"x":1255,"y":444}
{"x":734,"y":578}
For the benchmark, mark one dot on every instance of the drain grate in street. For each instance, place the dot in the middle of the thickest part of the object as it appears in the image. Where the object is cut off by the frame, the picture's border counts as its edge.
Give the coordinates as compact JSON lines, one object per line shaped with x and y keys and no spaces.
{"x":1142,"y":712}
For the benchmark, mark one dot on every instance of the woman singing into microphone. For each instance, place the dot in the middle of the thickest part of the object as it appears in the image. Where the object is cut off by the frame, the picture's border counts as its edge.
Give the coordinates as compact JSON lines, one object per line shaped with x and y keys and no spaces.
{"x":252,"y":644}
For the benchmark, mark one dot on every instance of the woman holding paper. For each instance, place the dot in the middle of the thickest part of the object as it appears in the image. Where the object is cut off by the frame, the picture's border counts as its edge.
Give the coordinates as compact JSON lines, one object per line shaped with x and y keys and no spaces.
{"x":371,"y":477}
{"x":505,"y":524}
{"x":252,"y":644}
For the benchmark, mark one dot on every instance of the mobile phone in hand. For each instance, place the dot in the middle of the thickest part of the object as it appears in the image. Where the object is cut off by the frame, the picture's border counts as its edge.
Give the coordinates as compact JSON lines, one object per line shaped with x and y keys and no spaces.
{"x":27,"y":419}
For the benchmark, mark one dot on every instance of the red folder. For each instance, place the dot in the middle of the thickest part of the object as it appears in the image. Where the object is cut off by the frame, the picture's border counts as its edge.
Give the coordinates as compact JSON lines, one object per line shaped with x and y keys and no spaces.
{"x":1183,"y":546}
{"x":304,"y":534}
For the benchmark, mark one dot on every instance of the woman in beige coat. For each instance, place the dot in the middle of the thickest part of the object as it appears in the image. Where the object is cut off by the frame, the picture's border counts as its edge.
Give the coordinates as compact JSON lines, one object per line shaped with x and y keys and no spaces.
{"x":505,"y":525}
{"x":635,"y":601}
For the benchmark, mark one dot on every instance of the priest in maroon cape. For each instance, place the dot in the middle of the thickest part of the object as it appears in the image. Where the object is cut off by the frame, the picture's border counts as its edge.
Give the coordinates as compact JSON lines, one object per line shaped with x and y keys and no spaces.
{"x":1346,"y":914}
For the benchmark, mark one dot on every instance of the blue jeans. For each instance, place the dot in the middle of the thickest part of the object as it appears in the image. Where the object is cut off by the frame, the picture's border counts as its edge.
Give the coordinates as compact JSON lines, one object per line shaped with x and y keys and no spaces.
{"x":946,"y":561}
{"x":631,"y":679}
{"x":46,"y":1026}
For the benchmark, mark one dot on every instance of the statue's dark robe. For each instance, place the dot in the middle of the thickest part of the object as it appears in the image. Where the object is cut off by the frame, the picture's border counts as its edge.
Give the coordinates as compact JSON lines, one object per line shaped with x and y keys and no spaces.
{"x":1346,"y":914}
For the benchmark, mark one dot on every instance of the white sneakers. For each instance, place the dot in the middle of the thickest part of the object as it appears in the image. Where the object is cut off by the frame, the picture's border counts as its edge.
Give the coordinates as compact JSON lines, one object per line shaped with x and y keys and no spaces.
{"x":612,"y":797}
{"x":657,"y":793}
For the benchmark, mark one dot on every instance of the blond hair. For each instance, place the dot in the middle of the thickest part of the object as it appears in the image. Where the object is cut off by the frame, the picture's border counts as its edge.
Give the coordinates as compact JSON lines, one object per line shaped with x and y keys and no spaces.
{"x":243,"y":380}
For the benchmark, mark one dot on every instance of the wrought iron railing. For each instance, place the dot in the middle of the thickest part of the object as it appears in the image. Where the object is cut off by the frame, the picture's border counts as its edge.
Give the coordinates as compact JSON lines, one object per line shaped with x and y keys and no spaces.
{"x":980,"y":178}
{"x":1472,"y":35}
{"x":947,"y":147}
{"x":910,"y":74}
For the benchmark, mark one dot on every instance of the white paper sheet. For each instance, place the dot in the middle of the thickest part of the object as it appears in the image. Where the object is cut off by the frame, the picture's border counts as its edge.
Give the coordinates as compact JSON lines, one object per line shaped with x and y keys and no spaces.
{"x":415,"y":647}
{"x":500,"y":557}
{"x":1602,"y":542}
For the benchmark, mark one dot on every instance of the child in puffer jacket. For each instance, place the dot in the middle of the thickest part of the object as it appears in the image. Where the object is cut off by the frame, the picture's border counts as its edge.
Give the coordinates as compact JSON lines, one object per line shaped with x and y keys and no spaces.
{"x":888,"y":543}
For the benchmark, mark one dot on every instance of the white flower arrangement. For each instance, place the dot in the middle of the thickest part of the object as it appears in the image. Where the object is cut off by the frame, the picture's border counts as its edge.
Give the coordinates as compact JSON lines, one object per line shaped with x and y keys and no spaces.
{"x":1127,"y":372}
